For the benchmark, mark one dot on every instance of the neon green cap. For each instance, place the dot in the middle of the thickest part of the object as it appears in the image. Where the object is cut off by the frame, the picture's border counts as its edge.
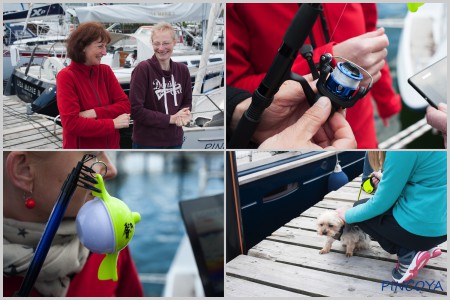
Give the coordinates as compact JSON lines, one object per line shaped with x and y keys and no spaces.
{"x":413,"y":7}
{"x":123,"y":221}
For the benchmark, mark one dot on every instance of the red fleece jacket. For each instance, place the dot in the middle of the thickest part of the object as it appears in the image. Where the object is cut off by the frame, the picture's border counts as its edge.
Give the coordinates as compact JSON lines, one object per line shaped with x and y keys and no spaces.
{"x":80,"y":88}
{"x":255,"y":32}
{"x":86,"y":283}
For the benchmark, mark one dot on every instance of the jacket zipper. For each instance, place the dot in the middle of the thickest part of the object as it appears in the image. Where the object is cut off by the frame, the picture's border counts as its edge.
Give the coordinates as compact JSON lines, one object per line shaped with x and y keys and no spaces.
{"x":96,"y":96}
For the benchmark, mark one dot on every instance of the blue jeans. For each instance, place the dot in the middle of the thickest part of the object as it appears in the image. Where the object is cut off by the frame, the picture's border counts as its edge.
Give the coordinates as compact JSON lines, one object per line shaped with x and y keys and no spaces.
{"x":138,"y":146}
{"x":367,"y":169}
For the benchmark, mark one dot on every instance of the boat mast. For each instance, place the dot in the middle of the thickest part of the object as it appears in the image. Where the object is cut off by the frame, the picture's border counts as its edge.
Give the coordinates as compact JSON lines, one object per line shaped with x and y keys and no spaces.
{"x":30,"y":8}
{"x":213,"y":14}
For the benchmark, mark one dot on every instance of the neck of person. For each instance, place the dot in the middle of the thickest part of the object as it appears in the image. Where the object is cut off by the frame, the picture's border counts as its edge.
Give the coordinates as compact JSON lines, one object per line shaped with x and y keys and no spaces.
{"x":165,"y":65}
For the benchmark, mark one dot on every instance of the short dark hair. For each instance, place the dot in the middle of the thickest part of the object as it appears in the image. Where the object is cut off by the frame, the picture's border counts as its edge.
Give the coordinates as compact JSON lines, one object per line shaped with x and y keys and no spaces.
{"x":83,"y":36}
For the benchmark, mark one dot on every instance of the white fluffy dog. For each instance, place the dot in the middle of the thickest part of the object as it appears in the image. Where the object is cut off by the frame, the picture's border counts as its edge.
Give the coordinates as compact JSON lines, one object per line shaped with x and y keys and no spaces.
{"x":330,"y":225}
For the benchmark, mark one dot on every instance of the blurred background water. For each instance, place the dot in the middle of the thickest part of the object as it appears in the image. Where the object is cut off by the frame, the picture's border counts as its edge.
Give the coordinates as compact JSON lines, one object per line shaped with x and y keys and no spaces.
{"x":152,"y":183}
{"x":390,"y":16}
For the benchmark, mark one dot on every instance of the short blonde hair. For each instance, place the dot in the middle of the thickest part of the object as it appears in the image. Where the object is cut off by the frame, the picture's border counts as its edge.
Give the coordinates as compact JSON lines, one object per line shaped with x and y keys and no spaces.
{"x":164,"y":26}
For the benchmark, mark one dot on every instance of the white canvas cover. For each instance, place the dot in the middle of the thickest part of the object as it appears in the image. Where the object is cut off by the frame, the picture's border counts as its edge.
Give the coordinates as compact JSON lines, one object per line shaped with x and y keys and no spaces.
{"x":153,"y":13}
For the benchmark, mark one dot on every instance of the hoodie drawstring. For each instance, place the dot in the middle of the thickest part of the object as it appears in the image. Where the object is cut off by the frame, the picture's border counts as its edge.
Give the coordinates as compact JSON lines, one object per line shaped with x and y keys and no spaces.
{"x":173,"y":91}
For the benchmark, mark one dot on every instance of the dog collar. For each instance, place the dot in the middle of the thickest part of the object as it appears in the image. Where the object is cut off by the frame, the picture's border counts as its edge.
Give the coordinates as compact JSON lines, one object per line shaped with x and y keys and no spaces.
{"x":338,"y":235}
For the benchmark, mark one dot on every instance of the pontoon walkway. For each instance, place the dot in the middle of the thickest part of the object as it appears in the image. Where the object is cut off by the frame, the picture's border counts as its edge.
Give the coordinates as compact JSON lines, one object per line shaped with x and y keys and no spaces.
{"x":22,"y":131}
{"x":288,"y":263}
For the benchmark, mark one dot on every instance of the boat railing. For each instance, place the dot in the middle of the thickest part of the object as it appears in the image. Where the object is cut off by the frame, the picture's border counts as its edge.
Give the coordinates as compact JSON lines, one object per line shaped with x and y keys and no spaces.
{"x":31,"y":60}
{"x":406,"y":136}
{"x":211,"y":100}
{"x":46,"y":64}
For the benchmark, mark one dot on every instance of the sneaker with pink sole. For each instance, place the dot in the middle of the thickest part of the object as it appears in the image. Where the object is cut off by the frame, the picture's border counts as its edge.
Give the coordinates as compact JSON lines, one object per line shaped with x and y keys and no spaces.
{"x":409,"y":265}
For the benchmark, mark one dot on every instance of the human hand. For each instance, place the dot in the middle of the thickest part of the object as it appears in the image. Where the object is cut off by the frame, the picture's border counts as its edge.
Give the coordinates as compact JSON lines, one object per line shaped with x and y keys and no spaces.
{"x":437,"y":118}
{"x":341,"y":212}
{"x":288,"y":105}
{"x":367,"y":50}
{"x":181,"y":118}
{"x":314,"y":131}
{"x":89,"y":114}
{"x":122,"y":121}
{"x":376,"y":177}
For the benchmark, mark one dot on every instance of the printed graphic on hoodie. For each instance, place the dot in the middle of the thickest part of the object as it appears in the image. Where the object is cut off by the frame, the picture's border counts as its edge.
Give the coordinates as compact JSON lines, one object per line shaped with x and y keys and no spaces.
{"x":162,"y":88}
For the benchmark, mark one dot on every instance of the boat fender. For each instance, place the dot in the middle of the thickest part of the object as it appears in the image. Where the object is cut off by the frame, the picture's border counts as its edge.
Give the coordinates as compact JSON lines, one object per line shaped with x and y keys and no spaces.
{"x":337,"y":178}
{"x":15,"y":56}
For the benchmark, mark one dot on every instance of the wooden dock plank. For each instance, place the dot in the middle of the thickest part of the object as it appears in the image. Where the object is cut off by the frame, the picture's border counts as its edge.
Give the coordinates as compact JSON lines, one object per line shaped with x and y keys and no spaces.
{"x":338,"y":263}
{"x":237,"y":287}
{"x":22,"y":131}
{"x":307,"y":238}
{"x":296,"y":265}
{"x":308,"y":281}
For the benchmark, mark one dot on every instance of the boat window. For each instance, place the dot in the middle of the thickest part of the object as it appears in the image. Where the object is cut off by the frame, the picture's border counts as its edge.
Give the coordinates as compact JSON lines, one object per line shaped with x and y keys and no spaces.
{"x":195,"y":62}
{"x":215,"y":59}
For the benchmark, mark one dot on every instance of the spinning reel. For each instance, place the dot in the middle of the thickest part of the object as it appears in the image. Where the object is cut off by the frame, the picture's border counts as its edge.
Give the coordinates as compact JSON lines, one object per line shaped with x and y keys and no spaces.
{"x":341,"y":84}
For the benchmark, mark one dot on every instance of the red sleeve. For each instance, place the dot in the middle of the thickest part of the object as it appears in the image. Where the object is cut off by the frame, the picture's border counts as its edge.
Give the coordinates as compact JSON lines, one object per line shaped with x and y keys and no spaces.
{"x":139,"y":89}
{"x":129,"y":284}
{"x":370,"y":15}
{"x":387,"y":100}
{"x":240,"y":73}
{"x":69,"y":109}
{"x":87,"y":284}
{"x":120,"y":103}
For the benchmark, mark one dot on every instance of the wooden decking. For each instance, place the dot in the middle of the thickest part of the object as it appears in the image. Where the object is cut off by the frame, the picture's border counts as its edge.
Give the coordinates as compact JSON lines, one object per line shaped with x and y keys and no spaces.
{"x":288,"y":263}
{"x":22,"y":131}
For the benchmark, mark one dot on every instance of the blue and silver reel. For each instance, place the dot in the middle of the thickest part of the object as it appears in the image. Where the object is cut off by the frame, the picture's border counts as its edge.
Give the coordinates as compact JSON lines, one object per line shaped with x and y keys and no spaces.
{"x":344,"y":80}
{"x":343,"y":83}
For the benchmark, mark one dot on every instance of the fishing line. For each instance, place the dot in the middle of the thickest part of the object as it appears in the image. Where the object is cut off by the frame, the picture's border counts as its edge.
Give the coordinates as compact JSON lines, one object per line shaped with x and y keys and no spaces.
{"x":339,"y":20}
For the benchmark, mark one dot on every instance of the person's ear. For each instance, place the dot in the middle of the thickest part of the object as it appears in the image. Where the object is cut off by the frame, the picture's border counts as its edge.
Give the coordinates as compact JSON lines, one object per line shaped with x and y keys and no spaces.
{"x":19,"y":171}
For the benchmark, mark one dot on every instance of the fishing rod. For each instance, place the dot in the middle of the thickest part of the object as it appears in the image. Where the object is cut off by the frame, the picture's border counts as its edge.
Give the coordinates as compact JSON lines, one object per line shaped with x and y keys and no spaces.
{"x":279,"y":71}
{"x":81,"y":176}
{"x":340,"y":84}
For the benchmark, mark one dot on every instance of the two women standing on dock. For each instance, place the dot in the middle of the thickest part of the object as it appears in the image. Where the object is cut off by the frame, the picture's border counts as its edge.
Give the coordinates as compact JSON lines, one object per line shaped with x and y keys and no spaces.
{"x":91,"y":102}
{"x":93,"y":106}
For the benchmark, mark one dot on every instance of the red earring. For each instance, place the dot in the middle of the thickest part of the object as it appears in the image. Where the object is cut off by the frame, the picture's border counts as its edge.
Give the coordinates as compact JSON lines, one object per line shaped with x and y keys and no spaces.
{"x":30,"y":203}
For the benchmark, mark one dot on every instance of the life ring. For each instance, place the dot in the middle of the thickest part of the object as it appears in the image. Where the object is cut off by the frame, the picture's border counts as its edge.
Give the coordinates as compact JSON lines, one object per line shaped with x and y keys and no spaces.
{"x":51,"y":67}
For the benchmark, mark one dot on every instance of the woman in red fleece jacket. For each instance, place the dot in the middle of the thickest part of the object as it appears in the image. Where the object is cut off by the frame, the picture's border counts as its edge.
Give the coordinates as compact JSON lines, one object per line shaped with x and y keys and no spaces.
{"x":255,"y":32}
{"x":30,"y":189}
{"x":91,"y":102}
{"x":160,"y":95}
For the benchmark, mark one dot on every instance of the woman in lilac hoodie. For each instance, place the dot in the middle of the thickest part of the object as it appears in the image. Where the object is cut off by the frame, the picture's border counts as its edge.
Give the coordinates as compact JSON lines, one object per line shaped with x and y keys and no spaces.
{"x":160,"y":95}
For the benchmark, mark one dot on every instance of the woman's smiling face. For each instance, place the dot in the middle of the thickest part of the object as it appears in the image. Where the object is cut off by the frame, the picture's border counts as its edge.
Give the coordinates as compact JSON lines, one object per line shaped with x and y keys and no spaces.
{"x":94,"y":52}
{"x":163,"y":44}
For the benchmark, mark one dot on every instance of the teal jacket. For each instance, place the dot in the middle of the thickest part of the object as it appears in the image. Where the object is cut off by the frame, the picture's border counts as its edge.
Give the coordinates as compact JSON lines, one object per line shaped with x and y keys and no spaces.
{"x":415,"y":184}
